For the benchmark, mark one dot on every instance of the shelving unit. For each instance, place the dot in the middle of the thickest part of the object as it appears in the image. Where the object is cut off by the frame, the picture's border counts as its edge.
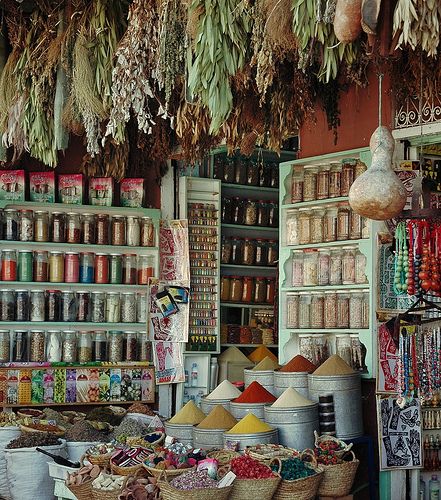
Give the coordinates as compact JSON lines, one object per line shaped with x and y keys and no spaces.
{"x":366,"y":246}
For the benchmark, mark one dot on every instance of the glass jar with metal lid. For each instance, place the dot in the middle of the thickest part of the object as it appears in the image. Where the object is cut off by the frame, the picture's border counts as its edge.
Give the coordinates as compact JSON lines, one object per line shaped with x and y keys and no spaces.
{"x":24,"y":265}
{"x":100,"y":346}
{"x":68,"y":306}
{"x":323,"y":267}
{"x":342,"y":310}
{"x":10,"y":224}
{"x":273,"y":252}
{"x":8,"y":265}
{"x":247,"y":289}
{"x":317,"y":310}
{"x":141,"y":307}
{"x":88,"y":226}
{"x":310,"y":183}
{"x":296,"y":184}
{"x":259,"y":290}
{"x":236,"y":289}
{"x":304,"y":225}
{"x":58,"y":227}
{"x":330,"y":224}
{"x":56,"y":267}
{"x":330,"y":310}
{"x":20,"y":346}
{"x":252,"y":169}
{"x":360,"y":267}
{"x":128,"y":307}
{"x":41,"y":226}
{"x":69,"y":349}
{"x":73,"y":228}
{"x":355,"y":309}
{"x":115,"y":269}
{"x":118,"y":230}
{"x":226,"y":210}
{"x":355,"y":226}
{"x":225,"y":250}
{"x":335,"y":180}
{"x":261,"y":258}
{"x":228,"y":170}
{"x":263,"y":213}
{"x":348,"y":266}
{"x":129,"y":270}
{"x":145,"y":269}
{"x":71,"y":267}
{"x":7,"y":305}
{"x":317,"y":235}
{"x":40,"y":266}
{"x":218,"y":168}
{"x":53,"y":303}
{"x":343,"y":218}
{"x":53,"y":346}
{"x":87,"y":267}
{"x":306,"y":347}
{"x":273,"y":214}
{"x":98,"y":307}
{"x":323,"y":182}
{"x":248,"y":252}
{"x":84,"y":347}
{"x":292,"y":310}
{"x":38,"y":305}
{"x":115,"y":346}
{"x":130,"y":346}
{"x":292,"y":227}
{"x":22,"y":305}
{"x":270,"y":290}
{"x":147,"y":232}
{"x":297,"y":268}
{"x":83,"y":305}
{"x":347,"y":175}
{"x":250,"y":212}
{"x":37,"y":341}
{"x":101,"y":268}
{"x":304,"y":310}
{"x":237,"y":210}
{"x":335,"y":271}
{"x":5,"y":346}
{"x":113,"y":307}
{"x":264,"y":174}
{"x":240,"y":170}
{"x":102,"y":229}
{"x":225,"y":289}
{"x":26,"y":225}
{"x":133,"y":230}
{"x":274,"y":183}
{"x":236,"y":250}
{"x":310,"y":267}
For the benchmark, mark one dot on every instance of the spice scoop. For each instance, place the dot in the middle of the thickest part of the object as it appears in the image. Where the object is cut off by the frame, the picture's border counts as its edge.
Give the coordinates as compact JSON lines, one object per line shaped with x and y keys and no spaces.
{"x":60,"y":460}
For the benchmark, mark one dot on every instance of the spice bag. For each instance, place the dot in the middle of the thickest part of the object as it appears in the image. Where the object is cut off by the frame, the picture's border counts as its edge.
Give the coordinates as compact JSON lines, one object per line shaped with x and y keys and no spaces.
{"x":7,"y":434}
{"x":339,"y":478}
{"x":28,"y":472}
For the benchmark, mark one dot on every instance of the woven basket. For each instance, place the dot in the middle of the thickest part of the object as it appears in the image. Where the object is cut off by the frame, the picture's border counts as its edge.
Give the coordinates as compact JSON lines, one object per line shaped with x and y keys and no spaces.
{"x":267,"y":452}
{"x":223,"y":457}
{"x":338,"y":479}
{"x":82,"y":491}
{"x":252,"y":489}
{"x":101,"y":460}
{"x":125,"y":471}
{"x":106,"y":495}
{"x":132,"y":441}
{"x":344,"y":447}
{"x":168,"y":473}
{"x":168,"y":492}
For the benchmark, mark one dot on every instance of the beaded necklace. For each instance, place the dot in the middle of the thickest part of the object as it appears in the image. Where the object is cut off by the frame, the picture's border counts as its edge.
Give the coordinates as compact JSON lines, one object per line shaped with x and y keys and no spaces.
{"x":401,"y":260}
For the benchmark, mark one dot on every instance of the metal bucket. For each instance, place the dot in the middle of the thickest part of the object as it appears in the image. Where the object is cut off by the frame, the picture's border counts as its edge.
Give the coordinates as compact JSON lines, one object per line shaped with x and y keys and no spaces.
{"x":244,"y":440}
{"x":182,"y":432}
{"x":296,"y":425}
{"x":240,"y":410}
{"x":208,"y":404}
{"x":208,"y":438}
{"x":296,"y":380}
{"x":346,"y":390}
{"x":264,"y":377}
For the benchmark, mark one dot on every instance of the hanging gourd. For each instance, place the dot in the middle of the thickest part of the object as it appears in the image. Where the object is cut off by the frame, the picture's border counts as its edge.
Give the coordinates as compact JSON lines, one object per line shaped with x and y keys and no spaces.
{"x":378,"y":193}
{"x":347,"y":20}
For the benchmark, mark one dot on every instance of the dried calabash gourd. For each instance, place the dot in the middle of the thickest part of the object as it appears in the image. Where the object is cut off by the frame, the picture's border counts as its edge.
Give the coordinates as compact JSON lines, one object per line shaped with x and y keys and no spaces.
{"x":347,"y":20}
{"x":378,"y":194}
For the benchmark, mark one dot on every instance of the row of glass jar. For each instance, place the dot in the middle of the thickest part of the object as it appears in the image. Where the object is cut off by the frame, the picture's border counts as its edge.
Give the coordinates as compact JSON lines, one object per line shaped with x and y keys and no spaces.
{"x":317,"y":225}
{"x":249,"y":252}
{"x":69,"y":346}
{"x":60,"y":227}
{"x":250,"y":212}
{"x":319,"y":182}
{"x":340,"y":309}
{"x":333,"y":266}
{"x":246,"y":171}
{"x":56,"y":305}
{"x":247,"y":289}
{"x":72,"y":267}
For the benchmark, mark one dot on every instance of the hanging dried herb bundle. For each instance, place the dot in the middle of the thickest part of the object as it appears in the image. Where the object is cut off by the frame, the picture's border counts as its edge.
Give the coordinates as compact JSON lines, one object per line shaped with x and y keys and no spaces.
{"x":111,"y":161}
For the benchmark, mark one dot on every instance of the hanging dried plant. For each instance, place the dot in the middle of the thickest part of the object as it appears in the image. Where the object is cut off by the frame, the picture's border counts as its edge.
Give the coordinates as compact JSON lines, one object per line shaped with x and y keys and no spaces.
{"x":111,"y":161}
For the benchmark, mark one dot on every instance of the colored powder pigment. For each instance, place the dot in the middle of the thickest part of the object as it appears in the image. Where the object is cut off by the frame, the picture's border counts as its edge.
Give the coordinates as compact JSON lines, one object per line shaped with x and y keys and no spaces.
{"x":298,"y":364}
{"x":190,"y":414}
{"x":261,"y":353}
{"x":250,"y":424}
{"x":290,"y":398}
{"x":233,"y":355}
{"x":266,"y":364}
{"x":218,"y":418}
{"x":255,"y":393}
{"x":334,"y":365}
{"x":225,"y":390}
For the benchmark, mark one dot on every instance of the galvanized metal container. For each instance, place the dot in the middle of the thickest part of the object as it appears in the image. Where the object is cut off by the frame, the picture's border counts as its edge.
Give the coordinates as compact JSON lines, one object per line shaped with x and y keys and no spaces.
{"x":208,"y":404}
{"x":296,"y":426}
{"x":346,"y":390}
{"x":208,"y":438}
{"x":182,"y":432}
{"x":244,"y":440}
{"x":296,"y":380}
{"x":264,"y":377}
{"x":240,"y":410}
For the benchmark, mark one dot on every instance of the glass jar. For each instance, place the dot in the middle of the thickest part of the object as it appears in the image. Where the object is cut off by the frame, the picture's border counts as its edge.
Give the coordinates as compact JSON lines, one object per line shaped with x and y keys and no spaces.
{"x":141,"y":307}
{"x":335,"y":180}
{"x":37,"y":340}
{"x":296,"y":185}
{"x":335,"y":272}
{"x":40,"y":266}
{"x":88,"y":228}
{"x":330,"y":310}
{"x":304,"y":227}
{"x":53,"y":346}
{"x":310,"y":183}
{"x":292,"y":310}
{"x":343,"y":348}
{"x":68,"y":306}
{"x":218,"y":168}
{"x":347,"y":176}
{"x":292,"y":227}
{"x":356,"y":310}
{"x":26,"y":225}
{"x":130,"y":346}
{"x":270,"y":290}
{"x":71,"y":267}
{"x":317,"y":226}
{"x":87,"y":267}
{"x":250,"y":212}
{"x":69,"y":349}
{"x":225,"y":289}
{"x":343,"y":223}
{"x":228,"y":170}
{"x":237,"y":210}
{"x":323,"y":267}
{"x":273,"y":214}
{"x":9,"y":265}
{"x":273,"y":252}
{"x":360,"y":268}
{"x":360,"y":168}
{"x":317,"y":310}
{"x":264,"y":174}
{"x":118,"y":230}
{"x":73,"y":228}
{"x":365,"y":317}
{"x":115,"y":269}
{"x":98,"y":307}
{"x":10,"y":224}
{"x":84,"y":347}
{"x":147,"y":229}
{"x":133,"y":231}
{"x":259,"y":290}
{"x":310,"y":267}
{"x":248,"y":252}
{"x":356,"y":226}
{"x":41,"y":226}
{"x":145,"y":269}
{"x":321,"y":349}
{"x":83,"y":306}
{"x":306,"y":347}
{"x":129,"y":270}
{"x":53,"y":304}
{"x":304,"y":310}
{"x":252,"y":170}
{"x":236,"y":289}
{"x":323,"y":182}
{"x":115,"y":346}
{"x":342,"y":310}
{"x":226,"y":206}
{"x":58,"y":227}
{"x":38,"y":305}
{"x":236,"y":250}
{"x":225,"y":250}
{"x":274,"y":183}
{"x":21,"y":305}
{"x":100,"y":346}
{"x":20,"y":346}
{"x":102,"y":229}
{"x":113,"y":307}
{"x":128,"y":307}
{"x":297,"y":268}
{"x":5,"y":346}
{"x":56,"y":267}
{"x":240,"y":170}
{"x":248,"y":289}
{"x":261,"y":257}
{"x":330,"y":224}
{"x":262,"y":213}
{"x":348,"y":267}
{"x":25,"y":265}
{"x":101,"y":268}
{"x":356,"y":350}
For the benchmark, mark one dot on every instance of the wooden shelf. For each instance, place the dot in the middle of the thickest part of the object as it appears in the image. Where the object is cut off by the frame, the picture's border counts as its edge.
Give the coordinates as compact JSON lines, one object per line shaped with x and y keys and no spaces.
{"x":244,"y":267}
{"x":242,"y":187}
{"x":241,"y":227}
{"x":247,"y":306}
{"x":313,"y":203}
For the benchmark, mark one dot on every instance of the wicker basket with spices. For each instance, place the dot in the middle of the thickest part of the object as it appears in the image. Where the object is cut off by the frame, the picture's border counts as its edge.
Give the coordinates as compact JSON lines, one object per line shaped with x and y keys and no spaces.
{"x":338,"y":475}
{"x":169,"y":491}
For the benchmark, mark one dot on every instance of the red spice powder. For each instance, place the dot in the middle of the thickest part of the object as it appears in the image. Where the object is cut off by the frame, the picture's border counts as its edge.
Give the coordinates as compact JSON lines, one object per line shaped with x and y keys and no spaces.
{"x":255,"y":393}
{"x":298,"y":364}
